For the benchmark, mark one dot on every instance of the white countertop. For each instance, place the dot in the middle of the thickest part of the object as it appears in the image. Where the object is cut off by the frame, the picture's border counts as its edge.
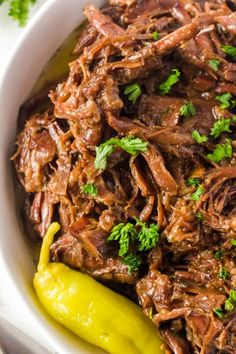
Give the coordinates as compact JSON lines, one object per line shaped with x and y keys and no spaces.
{"x":9,"y":309}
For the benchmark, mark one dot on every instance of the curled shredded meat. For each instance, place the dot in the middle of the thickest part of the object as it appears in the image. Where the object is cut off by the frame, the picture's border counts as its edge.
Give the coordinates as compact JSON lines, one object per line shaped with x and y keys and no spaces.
{"x":141,"y":139}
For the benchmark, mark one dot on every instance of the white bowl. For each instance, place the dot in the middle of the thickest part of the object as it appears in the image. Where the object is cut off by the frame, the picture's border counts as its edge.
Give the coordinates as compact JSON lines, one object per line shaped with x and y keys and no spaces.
{"x":43,"y":35}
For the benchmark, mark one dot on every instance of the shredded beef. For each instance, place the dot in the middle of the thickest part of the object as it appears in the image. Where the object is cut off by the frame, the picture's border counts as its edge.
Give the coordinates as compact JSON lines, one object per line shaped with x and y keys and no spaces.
{"x":184,"y":181}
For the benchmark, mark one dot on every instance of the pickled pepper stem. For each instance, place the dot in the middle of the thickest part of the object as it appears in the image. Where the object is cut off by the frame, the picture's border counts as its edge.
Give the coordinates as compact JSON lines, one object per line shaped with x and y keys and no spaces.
{"x":47,"y":241}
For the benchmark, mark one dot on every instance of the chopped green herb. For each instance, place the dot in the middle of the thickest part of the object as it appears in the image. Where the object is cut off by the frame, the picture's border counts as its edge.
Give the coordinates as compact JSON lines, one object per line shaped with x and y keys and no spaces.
{"x":147,"y":236}
{"x":229,"y":50}
{"x":226,"y":100}
{"x":221,"y":152}
{"x":132,"y":261}
{"x":102,"y":152}
{"x":187,"y":110}
{"x":231,"y":301}
{"x":229,"y":306}
{"x":200,"y":216}
{"x":166,"y":86}
{"x":196,"y":196}
{"x":218,"y":312}
{"x":193,"y":182}
{"x":223,"y":273}
{"x":232,"y":295}
{"x":200,"y":139}
{"x":156,"y":35}
{"x":233,"y":119}
{"x":219,"y":254}
{"x":133,"y":92}
{"x":214,"y":64}
{"x":19,"y":9}
{"x":233,"y":242}
{"x":90,"y":189}
{"x":124,"y":233}
{"x":220,"y":126}
{"x":130,"y":144}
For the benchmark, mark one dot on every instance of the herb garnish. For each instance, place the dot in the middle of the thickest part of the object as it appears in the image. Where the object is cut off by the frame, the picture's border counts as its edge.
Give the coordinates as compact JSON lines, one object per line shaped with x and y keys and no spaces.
{"x":187,"y":110}
{"x":133,"y":92}
{"x":132,"y":261}
{"x":196,"y":196}
{"x":166,"y":86}
{"x":223,"y":273}
{"x":226,"y":100}
{"x":90,"y":189}
{"x":130,"y":144}
{"x":220,"y":126}
{"x":219,"y":254}
{"x":233,"y":242}
{"x":124,"y":233}
{"x":200,"y":216}
{"x":218,"y":312}
{"x":214,"y":64}
{"x":19,"y":9}
{"x":193,"y":182}
{"x":229,"y":304}
{"x":155,"y":35}
{"x":230,"y":50}
{"x":200,"y":139}
{"x":147,"y":236}
{"x":221,"y":152}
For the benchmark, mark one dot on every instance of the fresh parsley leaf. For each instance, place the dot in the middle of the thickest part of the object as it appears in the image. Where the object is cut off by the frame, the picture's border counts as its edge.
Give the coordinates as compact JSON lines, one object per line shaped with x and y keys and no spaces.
{"x":221,"y":152}
{"x":231,"y":301}
{"x":200,"y":139}
{"x":229,"y":50}
{"x":232,"y":295}
{"x":218,"y":312}
{"x":233,"y":119}
{"x":132,"y":261}
{"x":196,"y":196}
{"x":226,"y":100}
{"x":156,"y":35}
{"x":233,"y":242}
{"x":19,"y":9}
{"x":220,"y":126}
{"x":219,"y":254}
{"x":102,"y":152}
{"x":187,"y":110}
{"x":147,"y":236}
{"x":90,"y":189}
{"x":166,"y":86}
{"x":130,"y":144}
{"x":124,"y":233}
{"x":200,"y":216}
{"x":133,"y":92}
{"x":193,"y":182}
{"x":214,"y":64}
{"x":223,"y":273}
{"x":229,"y":306}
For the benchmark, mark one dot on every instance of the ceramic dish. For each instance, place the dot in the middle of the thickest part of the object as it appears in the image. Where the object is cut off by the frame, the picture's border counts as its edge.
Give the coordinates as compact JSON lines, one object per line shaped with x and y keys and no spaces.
{"x":41,"y":38}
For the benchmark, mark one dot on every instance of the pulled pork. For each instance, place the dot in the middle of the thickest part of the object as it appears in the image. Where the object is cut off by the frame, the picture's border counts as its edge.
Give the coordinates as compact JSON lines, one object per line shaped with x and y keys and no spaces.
{"x":180,"y":57}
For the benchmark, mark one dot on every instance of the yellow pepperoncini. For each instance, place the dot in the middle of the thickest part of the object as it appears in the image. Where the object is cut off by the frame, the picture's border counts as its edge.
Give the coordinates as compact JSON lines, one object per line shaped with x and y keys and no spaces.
{"x":90,"y":310}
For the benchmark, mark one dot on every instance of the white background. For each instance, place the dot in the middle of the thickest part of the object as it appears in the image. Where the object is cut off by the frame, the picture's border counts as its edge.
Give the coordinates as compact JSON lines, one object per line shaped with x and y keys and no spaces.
{"x":9,"y":309}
